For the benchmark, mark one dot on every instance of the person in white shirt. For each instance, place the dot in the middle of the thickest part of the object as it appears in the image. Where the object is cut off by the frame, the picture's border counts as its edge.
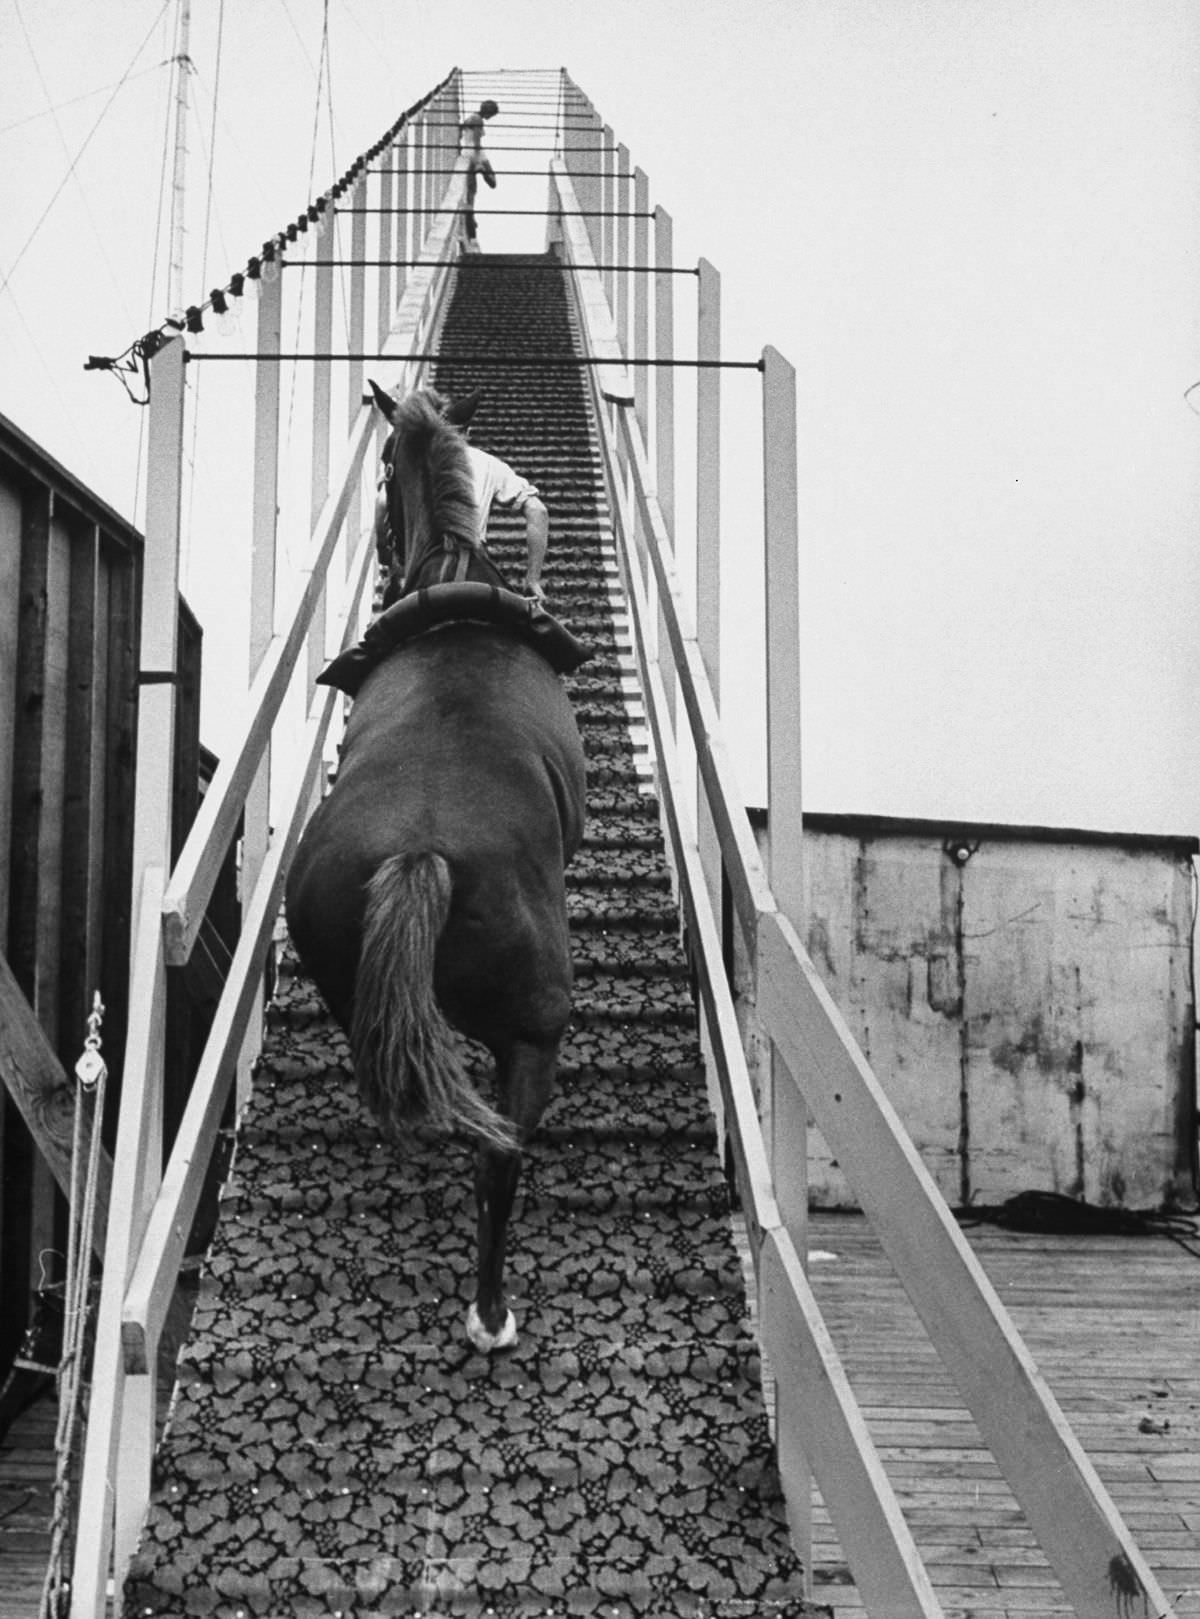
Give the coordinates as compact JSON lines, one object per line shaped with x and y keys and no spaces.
{"x":470,"y":132}
{"x":497,"y":483}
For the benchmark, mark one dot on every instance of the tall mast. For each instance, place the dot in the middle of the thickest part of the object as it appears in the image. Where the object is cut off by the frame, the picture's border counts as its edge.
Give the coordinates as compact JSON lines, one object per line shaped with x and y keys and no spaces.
{"x":183,"y":63}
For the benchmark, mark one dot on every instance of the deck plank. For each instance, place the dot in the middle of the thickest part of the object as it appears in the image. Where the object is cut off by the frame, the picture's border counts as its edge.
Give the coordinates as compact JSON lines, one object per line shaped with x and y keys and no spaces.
{"x":26,"y":1496}
{"x":1112,"y":1323}
{"x":1110,"y":1367}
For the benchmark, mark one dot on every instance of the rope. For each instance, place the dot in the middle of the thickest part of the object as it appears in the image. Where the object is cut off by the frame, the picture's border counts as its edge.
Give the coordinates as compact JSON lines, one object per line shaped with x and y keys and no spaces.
{"x":91,"y":1072}
{"x":136,"y":357}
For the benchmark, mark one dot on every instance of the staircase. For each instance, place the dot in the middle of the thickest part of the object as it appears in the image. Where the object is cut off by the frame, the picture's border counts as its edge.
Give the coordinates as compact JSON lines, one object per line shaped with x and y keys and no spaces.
{"x":334,"y":1445}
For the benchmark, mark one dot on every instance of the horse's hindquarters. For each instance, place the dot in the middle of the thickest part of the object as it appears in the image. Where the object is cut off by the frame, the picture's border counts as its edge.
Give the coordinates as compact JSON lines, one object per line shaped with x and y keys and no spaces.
{"x":463,"y":745}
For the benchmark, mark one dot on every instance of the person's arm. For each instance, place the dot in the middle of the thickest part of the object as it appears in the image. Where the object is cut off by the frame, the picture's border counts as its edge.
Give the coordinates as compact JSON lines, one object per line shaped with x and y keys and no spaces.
{"x":537,"y":541}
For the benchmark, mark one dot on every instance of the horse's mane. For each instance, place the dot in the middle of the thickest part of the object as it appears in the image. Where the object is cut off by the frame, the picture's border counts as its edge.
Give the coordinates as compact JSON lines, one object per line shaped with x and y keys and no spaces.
{"x":431,"y":462}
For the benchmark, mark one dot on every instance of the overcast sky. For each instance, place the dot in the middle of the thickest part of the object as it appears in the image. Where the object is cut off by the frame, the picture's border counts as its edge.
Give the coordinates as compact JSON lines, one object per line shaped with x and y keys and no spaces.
{"x":972,"y":225}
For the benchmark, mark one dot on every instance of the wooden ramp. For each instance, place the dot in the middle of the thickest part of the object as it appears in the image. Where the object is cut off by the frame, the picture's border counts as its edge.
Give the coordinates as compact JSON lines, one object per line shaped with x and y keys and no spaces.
{"x":336,"y":1446}
{"x":1114,"y":1322}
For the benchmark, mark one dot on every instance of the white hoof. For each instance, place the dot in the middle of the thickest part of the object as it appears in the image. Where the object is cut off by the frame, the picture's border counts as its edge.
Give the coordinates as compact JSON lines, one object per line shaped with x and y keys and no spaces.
{"x":486,"y":1341}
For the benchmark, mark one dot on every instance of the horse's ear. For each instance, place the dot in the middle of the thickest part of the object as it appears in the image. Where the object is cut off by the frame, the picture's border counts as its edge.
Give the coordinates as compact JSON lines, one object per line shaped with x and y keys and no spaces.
{"x":461,"y":412}
{"x":384,"y":400}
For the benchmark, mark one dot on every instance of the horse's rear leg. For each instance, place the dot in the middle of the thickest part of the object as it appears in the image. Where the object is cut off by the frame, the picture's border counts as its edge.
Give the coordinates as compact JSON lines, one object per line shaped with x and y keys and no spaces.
{"x":526,"y":1081}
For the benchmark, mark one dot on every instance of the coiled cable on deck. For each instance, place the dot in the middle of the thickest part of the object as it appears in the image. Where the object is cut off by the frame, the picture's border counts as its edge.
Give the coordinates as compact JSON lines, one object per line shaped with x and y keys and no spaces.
{"x":1054,"y":1213}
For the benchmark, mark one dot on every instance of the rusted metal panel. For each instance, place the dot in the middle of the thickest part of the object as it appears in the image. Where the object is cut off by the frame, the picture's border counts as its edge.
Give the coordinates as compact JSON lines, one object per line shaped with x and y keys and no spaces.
{"x":880,"y":936}
{"x":1026,"y":998}
{"x":1079,"y":1042}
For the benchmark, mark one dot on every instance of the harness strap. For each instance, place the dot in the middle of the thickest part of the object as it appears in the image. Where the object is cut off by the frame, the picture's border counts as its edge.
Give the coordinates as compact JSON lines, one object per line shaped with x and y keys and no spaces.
{"x":458,"y":560}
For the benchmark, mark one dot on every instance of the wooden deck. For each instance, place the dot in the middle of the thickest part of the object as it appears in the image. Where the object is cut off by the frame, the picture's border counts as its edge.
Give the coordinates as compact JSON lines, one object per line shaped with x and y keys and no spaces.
{"x":1114,"y":1323}
{"x":26,"y":1496}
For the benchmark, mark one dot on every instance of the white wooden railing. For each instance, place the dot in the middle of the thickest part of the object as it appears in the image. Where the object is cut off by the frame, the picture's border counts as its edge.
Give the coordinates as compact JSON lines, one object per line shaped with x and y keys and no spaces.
{"x":267,"y":782}
{"x":815,"y":1064}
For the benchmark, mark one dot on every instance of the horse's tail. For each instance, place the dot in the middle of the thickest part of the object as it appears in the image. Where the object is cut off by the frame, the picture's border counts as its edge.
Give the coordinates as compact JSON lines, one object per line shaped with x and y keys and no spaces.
{"x":404,"y":1054}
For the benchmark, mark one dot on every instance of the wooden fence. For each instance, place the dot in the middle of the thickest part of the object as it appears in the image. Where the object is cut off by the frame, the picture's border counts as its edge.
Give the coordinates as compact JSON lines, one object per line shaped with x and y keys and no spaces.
{"x":70,"y":606}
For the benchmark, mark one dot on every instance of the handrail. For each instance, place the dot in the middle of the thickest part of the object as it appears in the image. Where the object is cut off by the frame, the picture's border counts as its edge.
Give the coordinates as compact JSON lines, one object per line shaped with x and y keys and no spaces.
{"x":613,"y":380}
{"x":151,"y":1217}
{"x":747,"y":876}
{"x":890,"y":1573}
{"x":892,"y":1579}
{"x":148,"y":1295}
{"x":1066,"y":1503}
{"x":195,"y":872}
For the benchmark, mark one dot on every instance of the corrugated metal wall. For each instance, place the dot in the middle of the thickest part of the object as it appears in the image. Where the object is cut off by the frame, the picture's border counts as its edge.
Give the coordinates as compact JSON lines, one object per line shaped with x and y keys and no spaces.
{"x":1025,"y":997}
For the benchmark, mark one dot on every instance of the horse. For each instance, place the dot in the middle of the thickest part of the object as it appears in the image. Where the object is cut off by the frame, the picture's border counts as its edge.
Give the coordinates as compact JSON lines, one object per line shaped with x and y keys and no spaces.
{"x":428,"y":893}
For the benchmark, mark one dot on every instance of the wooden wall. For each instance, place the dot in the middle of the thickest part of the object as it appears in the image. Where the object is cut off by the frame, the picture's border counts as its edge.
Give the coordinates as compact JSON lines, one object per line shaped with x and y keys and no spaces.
{"x":70,"y":576}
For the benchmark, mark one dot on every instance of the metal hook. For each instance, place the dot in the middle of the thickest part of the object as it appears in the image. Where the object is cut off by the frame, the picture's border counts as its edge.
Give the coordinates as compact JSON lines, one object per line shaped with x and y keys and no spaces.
{"x":91,"y":1067}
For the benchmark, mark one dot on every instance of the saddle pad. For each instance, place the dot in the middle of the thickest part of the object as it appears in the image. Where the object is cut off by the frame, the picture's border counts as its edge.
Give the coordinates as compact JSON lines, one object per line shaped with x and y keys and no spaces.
{"x":467,"y":602}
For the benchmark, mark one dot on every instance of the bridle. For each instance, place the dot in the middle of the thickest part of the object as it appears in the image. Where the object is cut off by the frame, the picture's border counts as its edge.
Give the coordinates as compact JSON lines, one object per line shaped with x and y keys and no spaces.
{"x":386,"y":538}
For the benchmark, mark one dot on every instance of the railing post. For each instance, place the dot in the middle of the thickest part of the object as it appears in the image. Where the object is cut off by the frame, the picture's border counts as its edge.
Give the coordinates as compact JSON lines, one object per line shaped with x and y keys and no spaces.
{"x":787,"y":1132}
{"x":594,"y":167}
{"x":708,"y":537}
{"x":383,"y":280}
{"x":432,"y":136}
{"x":358,"y":300}
{"x":151,"y":862}
{"x":356,"y":338}
{"x":418,"y":183}
{"x":622,"y":204}
{"x":160,"y":614}
{"x":664,"y":351}
{"x":641,"y":298}
{"x":256,"y":835}
{"x":322,"y":400}
{"x":785,"y":858}
{"x":437,"y":145}
{"x":437,"y":142}
{"x":115,"y":1486}
{"x":403,"y":245}
{"x":664,"y":406}
{"x":608,"y":207}
{"x":781,"y":541}
{"x":453,"y":110}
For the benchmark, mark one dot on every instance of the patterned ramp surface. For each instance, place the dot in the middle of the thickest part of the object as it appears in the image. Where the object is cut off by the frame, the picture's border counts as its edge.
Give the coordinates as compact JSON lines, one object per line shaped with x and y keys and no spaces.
{"x":335,"y":1445}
